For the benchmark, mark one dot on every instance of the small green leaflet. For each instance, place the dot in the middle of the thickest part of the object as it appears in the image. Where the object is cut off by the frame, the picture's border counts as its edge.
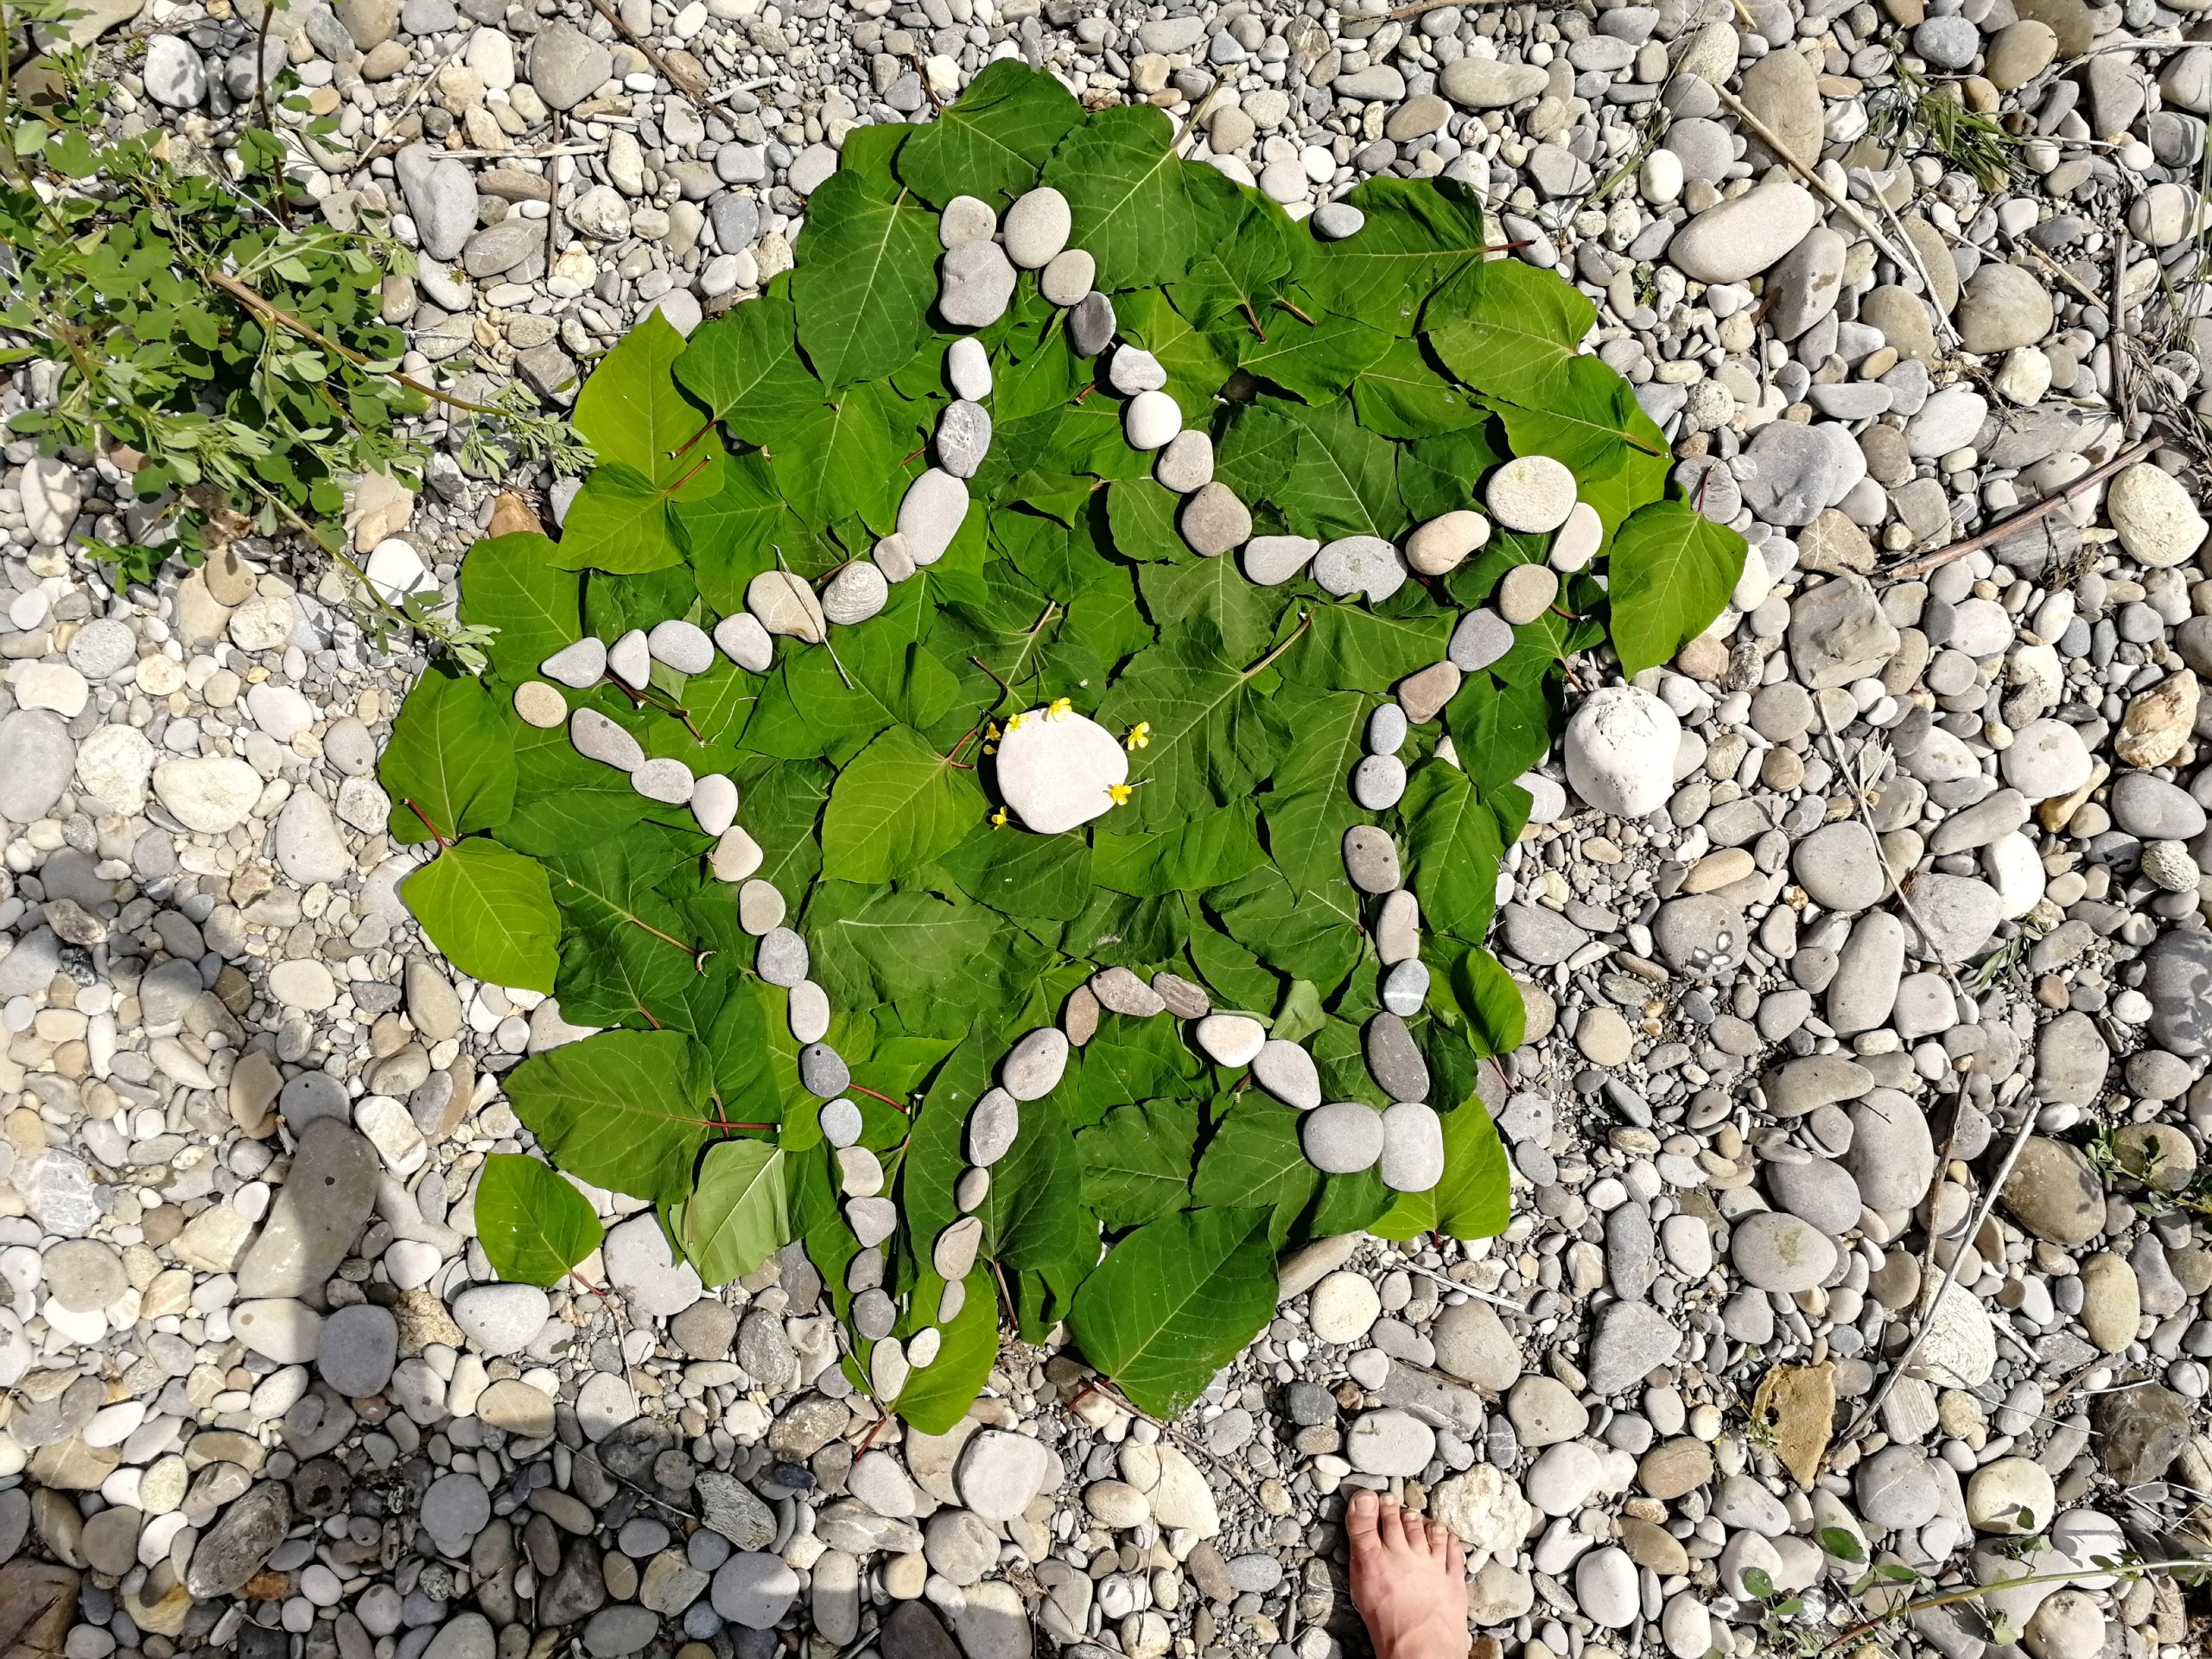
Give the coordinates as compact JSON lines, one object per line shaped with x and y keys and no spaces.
{"x":1454,"y":838}
{"x":534,"y":1225}
{"x":1594,"y":426}
{"x":898,"y":806}
{"x":1490,"y":1000}
{"x":489,"y":910}
{"x":1136,"y":1161}
{"x":633,"y":409}
{"x":511,"y":583}
{"x":740,"y":1215}
{"x":992,"y":141}
{"x":1672,"y":570}
{"x":1127,"y":192}
{"x":626,"y":1109}
{"x":866,"y":279}
{"x":1175,"y":1301}
{"x":449,"y":767}
{"x":746,"y":368}
{"x":1313,"y":361}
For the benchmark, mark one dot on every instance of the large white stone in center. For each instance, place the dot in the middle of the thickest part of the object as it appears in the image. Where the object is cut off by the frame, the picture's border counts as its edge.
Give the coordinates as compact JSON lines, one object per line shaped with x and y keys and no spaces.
{"x":1054,"y":773}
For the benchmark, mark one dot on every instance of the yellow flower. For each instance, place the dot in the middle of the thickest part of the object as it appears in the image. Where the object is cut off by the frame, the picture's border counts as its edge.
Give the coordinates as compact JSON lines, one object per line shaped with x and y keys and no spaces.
{"x":1119,"y":793}
{"x":1060,"y":708}
{"x":998,"y":819}
{"x":1014,"y":722}
{"x":991,"y":731}
{"x":1141,"y":735}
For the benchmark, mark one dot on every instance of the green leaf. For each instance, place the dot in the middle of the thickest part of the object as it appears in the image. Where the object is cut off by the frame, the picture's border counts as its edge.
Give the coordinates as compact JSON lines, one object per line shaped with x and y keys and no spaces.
{"x":633,"y":412}
{"x":900,"y":805}
{"x":1127,"y":192}
{"x":866,"y":279}
{"x":626,"y":1110}
{"x":1032,"y":1216}
{"x":1176,"y":1301}
{"x":1592,"y":426}
{"x":739,"y":1216}
{"x":1142,"y":517}
{"x":1237,"y":275}
{"x":1044,"y":877}
{"x":1500,"y":729}
{"x":938,"y":1396}
{"x":1133,"y":1059}
{"x":1520,"y":328}
{"x":619,"y":521}
{"x":489,"y":910}
{"x":1311,"y":805}
{"x":1243,"y":614}
{"x":1343,"y":481}
{"x":534,"y":1226}
{"x":1313,"y":935}
{"x":1441,"y":474}
{"x":1473,"y":1200}
{"x":1213,"y":735}
{"x":1136,"y":1161}
{"x":1355,"y":650}
{"x":1198,"y":359}
{"x":993,"y":138}
{"x":1401,"y":395}
{"x":1313,"y":361}
{"x":451,"y":757}
{"x":1255,"y":1158}
{"x":1670,"y":574}
{"x":1497,"y":1015}
{"x":1417,"y":237}
{"x":1211,"y":850}
{"x":841,"y":458}
{"x":746,"y":368}
{"x":1453,"y":841}
{"x":511,"y":583}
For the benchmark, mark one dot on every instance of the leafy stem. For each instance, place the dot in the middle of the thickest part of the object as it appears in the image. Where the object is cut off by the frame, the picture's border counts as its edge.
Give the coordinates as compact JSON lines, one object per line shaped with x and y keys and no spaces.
{"x":436,"y":833}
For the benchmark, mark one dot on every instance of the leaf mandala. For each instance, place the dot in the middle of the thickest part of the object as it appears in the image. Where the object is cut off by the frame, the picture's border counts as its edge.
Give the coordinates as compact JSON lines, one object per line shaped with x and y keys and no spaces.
{"x":745,"y":785}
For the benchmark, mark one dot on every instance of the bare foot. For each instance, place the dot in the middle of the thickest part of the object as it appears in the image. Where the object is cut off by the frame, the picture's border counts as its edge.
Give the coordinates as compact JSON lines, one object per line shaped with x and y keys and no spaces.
{"x":1409,"y":1581}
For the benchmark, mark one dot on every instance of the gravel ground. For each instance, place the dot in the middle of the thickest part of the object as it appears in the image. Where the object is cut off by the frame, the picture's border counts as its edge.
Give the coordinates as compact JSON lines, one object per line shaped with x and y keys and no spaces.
{"x":1760,"y":1288}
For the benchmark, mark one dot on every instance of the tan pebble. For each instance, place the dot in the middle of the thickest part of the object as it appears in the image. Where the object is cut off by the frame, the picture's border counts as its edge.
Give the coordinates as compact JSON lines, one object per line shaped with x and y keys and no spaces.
{"x":540,"y":705}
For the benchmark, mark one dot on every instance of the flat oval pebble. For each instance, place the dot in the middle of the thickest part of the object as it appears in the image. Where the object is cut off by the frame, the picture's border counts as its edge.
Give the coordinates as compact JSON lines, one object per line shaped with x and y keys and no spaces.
{"x":971,"y":1189}
{"x":1132,"y":369}
{"x":1442,"y":544}
{"x":968,"y":368}
{"x":760,"y":906}
{"x":1371,"y":859}
{"x":975,"y":284}
{"x":577,"y":666}
{"x":923,"y":1348}
{"x":1230,"y":1038}
{"x":873,"y":1220}
{"x":1091,"y":324}
{"x":1526,"y":592}
{"x":1269,"y":561}
{"x":1213,"y":521}
{"x":966,"y":218}
{"x":993,"y":1123}
{"x":1530,"y":492}
{"x":1186,"y":461}
{"x":1577,"y":541}
{"x":1069,"y":276}
{"x":874,"y":1315}
{"x":1287,"y":1072}
{"x":860,"y":1172}
{"x":1405,"y":988}
{"x":1378,"y":782}
{"x":664,"y":779}
{"x":857,"y":592}
{"x":1386,"y":729}
{"x":931,"y":514}
{"x":682,"y":645}
{"x":887,"y":1370}
{"x":1343,"y":1137}
{"x":1412,"y":1147}
{"x":1036,"y":227}
{"x":736,"y":854}
{"x":809,"y":1013}
{"x":1481,"y":638}
{"x":963,"y":438}
{"x":781,"y":958}
{"x":784,"y":604}
{"x":1032,"y":1069}
{"x":1152,"y":419}
{"x":893,"y":559}
{"x":538,"y":704}
{"x":841,"y":1122}
{"x":1362,"y":565}
{"x":598,"y":738}
{"x":823,"y":1071}
{"x":745,"y":642}
{"x":713,"y":804}
{"x":630,"y":658}
{"x":954,"y":1253}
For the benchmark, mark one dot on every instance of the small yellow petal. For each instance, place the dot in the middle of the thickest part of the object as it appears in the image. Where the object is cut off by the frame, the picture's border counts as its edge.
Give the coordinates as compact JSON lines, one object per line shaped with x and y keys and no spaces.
{"x":998,"y":818}
{"x":1061,"y":708}
{"x":1119,"y":793}
{"x":1014,"y":722}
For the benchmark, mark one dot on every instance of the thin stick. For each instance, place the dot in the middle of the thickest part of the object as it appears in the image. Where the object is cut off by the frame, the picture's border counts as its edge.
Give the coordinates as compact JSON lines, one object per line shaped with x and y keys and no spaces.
{"x":682,"y":83}
{"x":2021,"y":520}
{"x":1850,"y":209}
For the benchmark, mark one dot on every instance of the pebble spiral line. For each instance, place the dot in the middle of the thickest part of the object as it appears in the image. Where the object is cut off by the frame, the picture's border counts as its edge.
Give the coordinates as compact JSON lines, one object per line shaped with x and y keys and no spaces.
{"x":1058,"y":770}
